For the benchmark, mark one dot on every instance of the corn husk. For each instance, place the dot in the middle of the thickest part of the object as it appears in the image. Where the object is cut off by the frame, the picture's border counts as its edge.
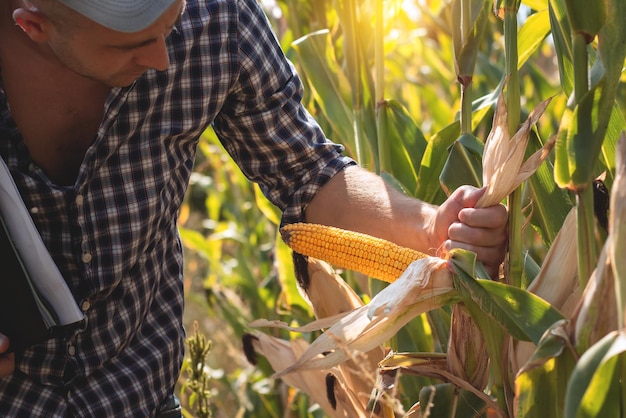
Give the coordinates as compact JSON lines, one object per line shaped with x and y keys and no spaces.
{"x":597,"y":314}
{"x":557,"y":282}
{"x":327,"y":292}
{"x":467,"y":349}
{"x":425,"y":285}
{"x":617,"y":225}
{"x":504,"y":168}
{"x":345,"y":390}
{"x":330,"y":295}
{"x":432,"y":365}
{"x":280,"y":353}
{"x":344,"y":398}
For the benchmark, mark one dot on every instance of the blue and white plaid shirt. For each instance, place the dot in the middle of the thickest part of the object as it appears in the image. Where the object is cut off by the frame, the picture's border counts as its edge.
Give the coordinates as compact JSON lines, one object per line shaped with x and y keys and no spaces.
{"x":113,"y":233}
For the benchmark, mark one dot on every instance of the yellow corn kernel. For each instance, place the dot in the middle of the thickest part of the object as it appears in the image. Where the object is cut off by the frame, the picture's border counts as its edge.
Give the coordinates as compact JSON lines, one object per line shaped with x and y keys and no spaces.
{"x":374,"y":257}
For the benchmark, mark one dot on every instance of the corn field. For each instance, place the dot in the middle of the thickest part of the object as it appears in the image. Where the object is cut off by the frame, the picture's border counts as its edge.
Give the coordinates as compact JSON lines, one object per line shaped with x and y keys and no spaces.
{"x":523,"y":97}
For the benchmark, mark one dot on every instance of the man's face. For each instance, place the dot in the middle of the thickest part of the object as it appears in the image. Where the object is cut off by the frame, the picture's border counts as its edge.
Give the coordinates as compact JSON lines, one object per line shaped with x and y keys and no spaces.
{"x":115,"y":58}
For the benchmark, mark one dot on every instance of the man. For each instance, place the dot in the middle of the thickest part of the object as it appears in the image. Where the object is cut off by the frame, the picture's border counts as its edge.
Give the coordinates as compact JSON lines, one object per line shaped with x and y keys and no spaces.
{"x":101,"y":106}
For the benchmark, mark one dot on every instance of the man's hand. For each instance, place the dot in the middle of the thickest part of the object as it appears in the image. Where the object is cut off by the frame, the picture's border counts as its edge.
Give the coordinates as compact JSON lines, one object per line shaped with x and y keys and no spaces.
{"x":7,"y":361}
{"x":359,"y":200}
{"x":458,"y":224}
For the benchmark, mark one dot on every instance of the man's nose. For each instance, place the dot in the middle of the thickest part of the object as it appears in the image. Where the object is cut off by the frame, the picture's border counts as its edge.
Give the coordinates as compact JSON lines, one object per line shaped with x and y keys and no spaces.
{"x":155,"y":56}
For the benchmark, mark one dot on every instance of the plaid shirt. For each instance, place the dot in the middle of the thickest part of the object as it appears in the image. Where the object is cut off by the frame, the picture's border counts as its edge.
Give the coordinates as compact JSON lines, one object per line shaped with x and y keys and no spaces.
{"x":113,"y":233}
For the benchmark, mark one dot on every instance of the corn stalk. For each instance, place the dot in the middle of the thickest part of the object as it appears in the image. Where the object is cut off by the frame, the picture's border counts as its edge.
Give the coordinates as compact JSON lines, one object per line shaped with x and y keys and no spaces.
{"x":587,"y":18}
{"x":508,"y":9}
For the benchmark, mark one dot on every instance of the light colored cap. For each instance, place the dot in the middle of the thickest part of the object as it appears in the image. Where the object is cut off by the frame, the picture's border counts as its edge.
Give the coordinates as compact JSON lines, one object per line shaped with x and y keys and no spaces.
{"x":121,"y":15}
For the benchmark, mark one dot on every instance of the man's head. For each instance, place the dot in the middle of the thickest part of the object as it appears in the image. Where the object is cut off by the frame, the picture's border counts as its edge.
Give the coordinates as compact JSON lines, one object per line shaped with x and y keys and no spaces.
{"x":111,"y":41}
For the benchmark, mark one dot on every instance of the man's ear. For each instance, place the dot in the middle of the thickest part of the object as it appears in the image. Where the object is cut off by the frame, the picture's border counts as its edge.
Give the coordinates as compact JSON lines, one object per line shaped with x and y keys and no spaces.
{"x":34,"y":23}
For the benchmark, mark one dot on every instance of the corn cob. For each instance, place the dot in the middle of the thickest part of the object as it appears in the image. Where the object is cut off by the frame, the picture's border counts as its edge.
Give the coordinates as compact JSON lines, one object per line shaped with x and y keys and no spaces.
{"x":374,"y":257}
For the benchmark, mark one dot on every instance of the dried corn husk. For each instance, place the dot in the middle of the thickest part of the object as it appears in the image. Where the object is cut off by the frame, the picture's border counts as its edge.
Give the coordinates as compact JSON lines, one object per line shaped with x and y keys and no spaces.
{"x":343,"y":396}
{"x":617,"y":224}
{"x":327,"y":292}
{"x":432,"y":365}
{"x":557,"y":282}
{"x":503,"y":166}
{"x":467,"y":349}
{"x":330,"y":295}
{"x":425,"y":285}
{"x":280,"y":353}
{"x":597,"y":314}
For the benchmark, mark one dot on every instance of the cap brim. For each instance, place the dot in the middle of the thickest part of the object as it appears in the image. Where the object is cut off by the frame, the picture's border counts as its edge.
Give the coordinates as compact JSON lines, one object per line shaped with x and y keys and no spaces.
{"x":121,"y":15}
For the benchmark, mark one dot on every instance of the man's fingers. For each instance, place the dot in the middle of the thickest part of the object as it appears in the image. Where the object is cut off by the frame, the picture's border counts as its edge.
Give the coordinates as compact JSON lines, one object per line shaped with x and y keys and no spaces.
{"x":7,"y":361}
{"x":467,"y":196}
{"x":4,"y":343}
{"x":480,"y":237}
{"x":484,"y":218}
{"x":7,"y":364}
{"x":483,"y":253}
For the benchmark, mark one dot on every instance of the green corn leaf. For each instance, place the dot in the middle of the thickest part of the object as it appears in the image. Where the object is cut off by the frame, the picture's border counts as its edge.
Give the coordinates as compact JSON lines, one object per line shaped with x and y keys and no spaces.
{"x":428,"y":188}
{"x":586,"y":17}
{"x":404,"y":141}
{"x":541,"y":384}
{"x":603,"y":397}
{"x":438,"y":110}
{"x":383,"y":139}
{"x":525,"y":316}
{"x":290,"y":294}
{"x":270,"y":211}
{"x":576,"y":151}
{"x":357,"y":35}
{"x":196,"y":241}
{"x":616,"y":127}
{"x":550,"y":204}
{"x":464,"y":164}
{"x":536,"y":4}
{"x":560,"y":29}
{"x":467,"y":39}
{"x":562,"y":173}
{"x":538,"y":392}
{"x":612,"y":42}
{"x":435,"y":156}
{"x":593,"y":389}
{"x":532,"y":34}
{"x":328,"y":83}
{"x":612,"y":53}
{"x":574,"y":163}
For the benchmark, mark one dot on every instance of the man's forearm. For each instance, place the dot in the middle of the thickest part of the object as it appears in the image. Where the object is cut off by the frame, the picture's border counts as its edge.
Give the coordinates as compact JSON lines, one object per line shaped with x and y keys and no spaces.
{"x":358,"y":200}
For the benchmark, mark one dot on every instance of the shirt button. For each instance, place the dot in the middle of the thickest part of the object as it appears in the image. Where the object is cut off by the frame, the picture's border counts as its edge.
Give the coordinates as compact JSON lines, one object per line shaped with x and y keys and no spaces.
{"x":79,"y":199}
{"x":86,"y":258}
{"x":85,"y":306}
{"x":71,"y":350}
{"x":34,"y":210}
